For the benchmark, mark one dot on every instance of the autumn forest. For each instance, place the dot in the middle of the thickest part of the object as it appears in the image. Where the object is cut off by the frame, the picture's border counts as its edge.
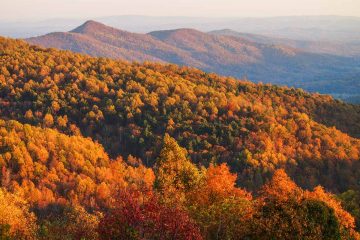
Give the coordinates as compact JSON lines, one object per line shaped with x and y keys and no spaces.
{"x":95,"y":148}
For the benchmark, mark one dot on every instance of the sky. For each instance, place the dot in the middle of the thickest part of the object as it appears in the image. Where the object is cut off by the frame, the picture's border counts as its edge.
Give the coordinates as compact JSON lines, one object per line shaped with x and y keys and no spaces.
{"x":12,"y":10}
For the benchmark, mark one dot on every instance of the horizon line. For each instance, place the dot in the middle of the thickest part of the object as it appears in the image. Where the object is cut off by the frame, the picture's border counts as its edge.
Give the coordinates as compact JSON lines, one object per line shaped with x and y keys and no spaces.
{"x":173,"y":16}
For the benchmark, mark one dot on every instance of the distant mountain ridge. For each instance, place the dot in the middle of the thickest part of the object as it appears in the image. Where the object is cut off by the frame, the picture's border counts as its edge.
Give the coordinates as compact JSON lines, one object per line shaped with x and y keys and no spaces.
{"x":335,"y":48}
{"x":227,"y":55}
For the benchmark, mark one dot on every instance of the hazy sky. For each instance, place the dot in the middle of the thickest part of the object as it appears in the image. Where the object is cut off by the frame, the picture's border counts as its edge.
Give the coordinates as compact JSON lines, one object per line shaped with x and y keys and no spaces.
{"x":43,"y":9}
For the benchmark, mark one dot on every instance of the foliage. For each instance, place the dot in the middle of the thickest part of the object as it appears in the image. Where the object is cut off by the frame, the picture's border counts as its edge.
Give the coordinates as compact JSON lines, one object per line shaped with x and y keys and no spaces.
{"x":146,"y":218}
{"x":285,"y":211}
{"x":69,"y":223}
{"x":175,"y":174}
{"x":16,"y":220}
{"x":128,"y":108}
{"x":218,"y":206}
{"x":47,"y":167}
{"x":206,"y":136}
{"x":351,"y":202}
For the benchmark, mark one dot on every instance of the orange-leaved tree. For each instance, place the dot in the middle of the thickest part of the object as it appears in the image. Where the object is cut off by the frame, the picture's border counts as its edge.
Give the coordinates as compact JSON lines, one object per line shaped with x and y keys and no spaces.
{"x":219,"y":207}
{"x":285,"y":211}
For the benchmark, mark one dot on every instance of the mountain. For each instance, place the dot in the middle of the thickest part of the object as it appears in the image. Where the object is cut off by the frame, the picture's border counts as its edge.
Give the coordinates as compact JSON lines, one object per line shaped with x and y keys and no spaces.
{"x":76,"y":133}
{"x":99,"y":40}
{"x":226,"y":55}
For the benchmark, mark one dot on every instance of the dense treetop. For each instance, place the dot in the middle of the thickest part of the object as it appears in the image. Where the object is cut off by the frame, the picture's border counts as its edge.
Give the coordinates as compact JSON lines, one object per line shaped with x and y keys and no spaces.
{"x":76,"y":192}
{"x":48,"y":167}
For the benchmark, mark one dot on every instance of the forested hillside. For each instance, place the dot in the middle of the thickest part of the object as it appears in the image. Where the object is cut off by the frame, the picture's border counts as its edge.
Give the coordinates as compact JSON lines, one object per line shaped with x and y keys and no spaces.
{"x":129,"y":107}
{"x":204,"y":136}
{"x":54,"y":168}
{"x":58,"y":187}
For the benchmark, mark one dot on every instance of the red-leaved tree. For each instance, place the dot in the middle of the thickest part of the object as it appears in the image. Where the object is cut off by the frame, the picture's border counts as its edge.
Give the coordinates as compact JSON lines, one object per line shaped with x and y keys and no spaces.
{"x":136,"y":216}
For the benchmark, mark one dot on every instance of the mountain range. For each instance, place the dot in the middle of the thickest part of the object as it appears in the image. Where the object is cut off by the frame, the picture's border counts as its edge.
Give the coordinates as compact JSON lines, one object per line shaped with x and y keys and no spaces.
{"x":257,"y":58}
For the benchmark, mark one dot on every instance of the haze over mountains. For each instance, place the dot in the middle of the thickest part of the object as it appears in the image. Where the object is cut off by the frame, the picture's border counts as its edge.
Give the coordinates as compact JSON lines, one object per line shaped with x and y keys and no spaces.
{"x":314,"y":28}
{"x":228,"y":53}
{"x":328,"y":47}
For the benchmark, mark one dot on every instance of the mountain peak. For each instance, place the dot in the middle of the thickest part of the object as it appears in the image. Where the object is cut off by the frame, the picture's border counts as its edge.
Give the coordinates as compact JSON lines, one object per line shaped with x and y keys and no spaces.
{"x":89,"y":26}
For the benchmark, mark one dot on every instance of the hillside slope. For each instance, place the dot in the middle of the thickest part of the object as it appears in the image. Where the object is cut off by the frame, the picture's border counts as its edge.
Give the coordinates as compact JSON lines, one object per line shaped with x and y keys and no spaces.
{"x":128,"y":108}
{"x":47,"y":167}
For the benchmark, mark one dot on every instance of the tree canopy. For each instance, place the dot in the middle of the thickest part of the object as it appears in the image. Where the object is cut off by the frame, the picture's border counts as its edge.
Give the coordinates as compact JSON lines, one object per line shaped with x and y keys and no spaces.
{"x":94,"y":148}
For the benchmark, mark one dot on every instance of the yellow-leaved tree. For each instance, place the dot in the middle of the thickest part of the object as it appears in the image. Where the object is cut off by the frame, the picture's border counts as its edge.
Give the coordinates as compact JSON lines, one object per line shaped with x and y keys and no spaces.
{"x":175,"y":174}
